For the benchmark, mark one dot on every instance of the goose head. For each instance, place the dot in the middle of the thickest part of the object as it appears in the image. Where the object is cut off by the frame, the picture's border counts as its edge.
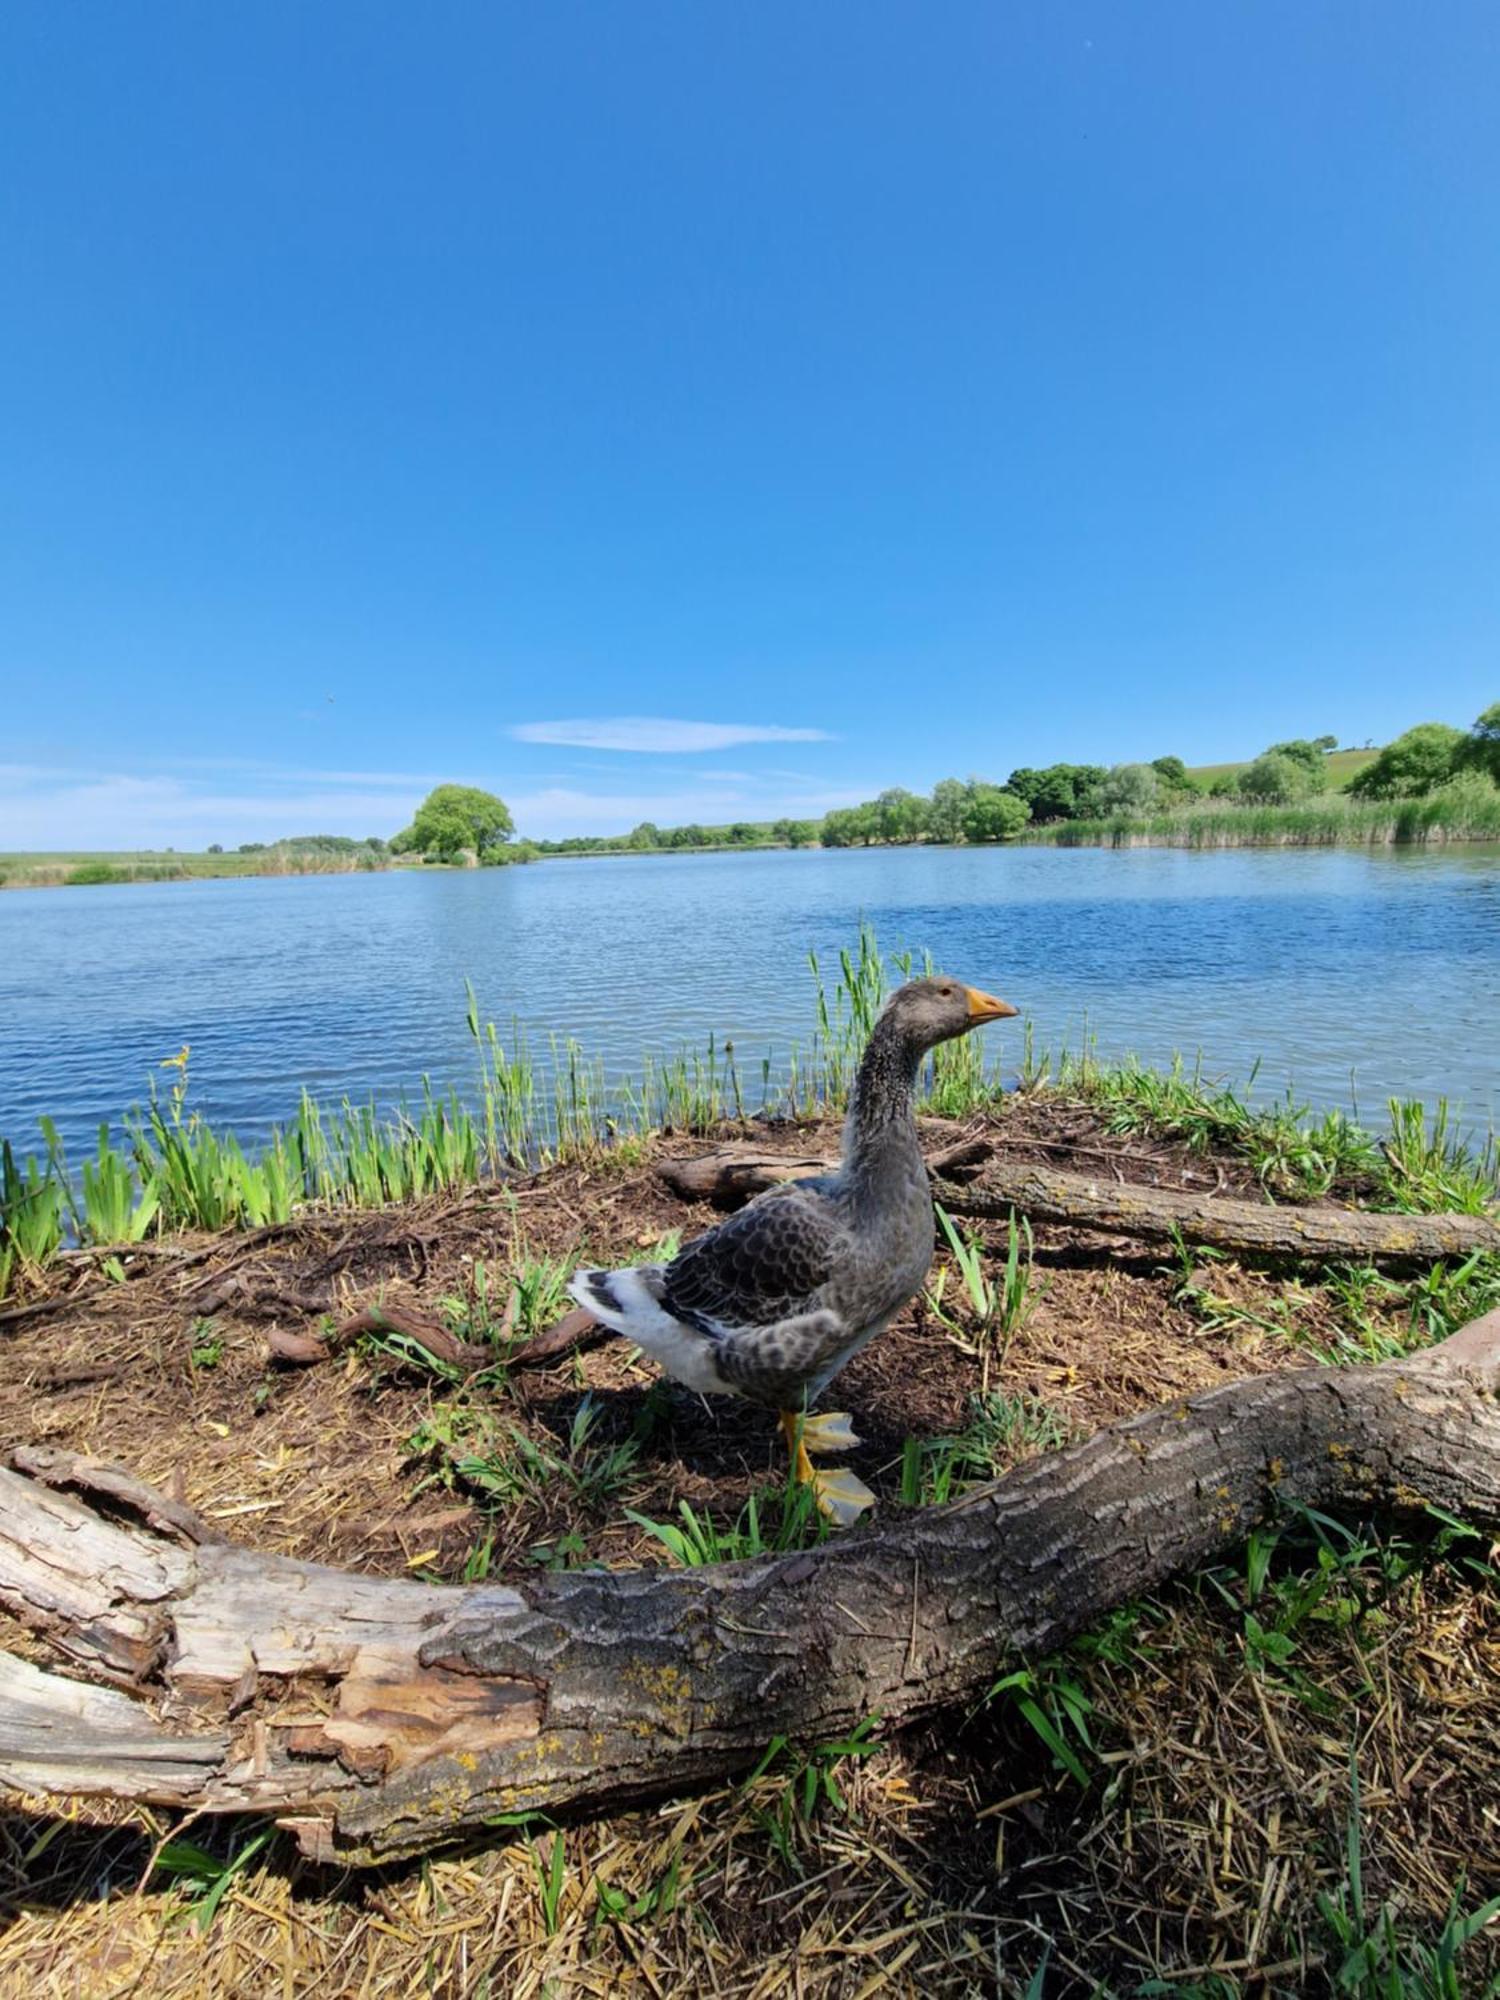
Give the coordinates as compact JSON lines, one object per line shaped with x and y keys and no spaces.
{"x":925,"y":1012}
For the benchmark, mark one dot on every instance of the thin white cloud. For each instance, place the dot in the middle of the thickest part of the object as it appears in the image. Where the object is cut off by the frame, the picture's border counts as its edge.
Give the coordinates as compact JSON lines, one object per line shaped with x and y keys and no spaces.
{"x":124,"y":811}
{"x":659,"y":735}
{"x":44,"y":808}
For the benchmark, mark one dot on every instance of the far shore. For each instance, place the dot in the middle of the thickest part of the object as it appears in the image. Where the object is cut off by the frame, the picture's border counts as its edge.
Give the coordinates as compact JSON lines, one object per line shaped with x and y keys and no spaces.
{"x":1403,"y":823}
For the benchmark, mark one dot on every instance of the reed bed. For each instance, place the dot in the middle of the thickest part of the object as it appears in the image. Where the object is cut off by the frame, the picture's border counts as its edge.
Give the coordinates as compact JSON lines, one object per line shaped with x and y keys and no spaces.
{"x":1470,"y":814}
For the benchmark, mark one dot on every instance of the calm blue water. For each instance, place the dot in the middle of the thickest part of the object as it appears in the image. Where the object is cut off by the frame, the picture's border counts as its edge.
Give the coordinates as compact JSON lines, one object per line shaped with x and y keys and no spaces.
{"x":1317,"y":963}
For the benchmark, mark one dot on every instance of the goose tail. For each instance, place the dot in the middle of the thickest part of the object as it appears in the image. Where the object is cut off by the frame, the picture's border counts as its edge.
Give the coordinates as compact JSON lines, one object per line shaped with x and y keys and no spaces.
{"x":624,"y":1301}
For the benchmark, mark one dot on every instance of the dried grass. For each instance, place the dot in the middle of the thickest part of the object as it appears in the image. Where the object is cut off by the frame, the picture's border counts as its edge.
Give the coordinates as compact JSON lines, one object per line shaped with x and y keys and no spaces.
{"x":1219,"y":1798}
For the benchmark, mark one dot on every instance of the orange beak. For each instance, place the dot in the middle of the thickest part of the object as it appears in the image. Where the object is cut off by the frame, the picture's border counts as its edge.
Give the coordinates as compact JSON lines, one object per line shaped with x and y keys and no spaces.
{"x":985,"y":1007}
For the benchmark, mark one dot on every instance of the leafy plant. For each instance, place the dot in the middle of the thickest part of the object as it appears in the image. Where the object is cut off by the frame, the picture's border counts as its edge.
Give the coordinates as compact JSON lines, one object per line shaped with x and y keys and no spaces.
{"x":1049,"y":1698}
{"x":999,"y":1311}
{"x":31,"y":1215}
{"x":207,"y":1877}
{"x":552,"y":1875}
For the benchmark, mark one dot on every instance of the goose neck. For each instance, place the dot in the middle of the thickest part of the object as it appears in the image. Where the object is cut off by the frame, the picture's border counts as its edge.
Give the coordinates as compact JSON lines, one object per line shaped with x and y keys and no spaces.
{"x":882,"y":1116}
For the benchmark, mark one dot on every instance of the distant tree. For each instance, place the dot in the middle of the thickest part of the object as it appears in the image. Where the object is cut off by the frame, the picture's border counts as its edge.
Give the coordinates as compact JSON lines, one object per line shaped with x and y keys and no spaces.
{"x":744,"y":834}
{"x":795,"y":832}
{"x":1413,"y":764}
{"x":214,"y":847}
{"x":646,"y":835}
{"x":851,"y":826}
{"x":1327,"y":744}
{"x":1129,"y":788}
{"x":900,"y":815}
{"x":252,"y":847}
{"x":1172,"y":775}
{"x":375,"y":844}
{"x":691,"y":835}
{"x":992,"y":813}
{"x":1060,"y":791}
{"x":945,"y":811}
{"x":1278,"y":779}
{"x":453,"y":819}
{"x":1481,"y":749}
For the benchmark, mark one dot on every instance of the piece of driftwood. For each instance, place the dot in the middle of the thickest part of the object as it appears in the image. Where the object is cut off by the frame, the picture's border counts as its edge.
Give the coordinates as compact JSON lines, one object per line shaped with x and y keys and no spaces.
{"x":302,"y":1350}
{"x":380,"y":1716}
{"x":730,"y":1176}
{"x":572,"y":1334}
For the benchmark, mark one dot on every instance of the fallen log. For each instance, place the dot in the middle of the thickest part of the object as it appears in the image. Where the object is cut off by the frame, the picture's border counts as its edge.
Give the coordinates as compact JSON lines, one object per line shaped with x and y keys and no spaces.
{"x":380,"y":1716}
{"x":1225,"y":1222}
{"x":731,"y":1175}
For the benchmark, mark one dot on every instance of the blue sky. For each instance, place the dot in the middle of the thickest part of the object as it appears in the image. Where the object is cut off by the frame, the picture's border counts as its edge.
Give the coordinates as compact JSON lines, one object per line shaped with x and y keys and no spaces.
{"x":857,"y":394}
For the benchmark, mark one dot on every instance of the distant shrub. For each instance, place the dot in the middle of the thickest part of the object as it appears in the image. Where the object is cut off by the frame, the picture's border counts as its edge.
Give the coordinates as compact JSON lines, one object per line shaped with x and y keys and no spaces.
{"x":89,"y":874}
{"x":1301,"y":751}
{"x":992,"y":813}
{"x":1129,"y":788}
{"x":1280,"y":778}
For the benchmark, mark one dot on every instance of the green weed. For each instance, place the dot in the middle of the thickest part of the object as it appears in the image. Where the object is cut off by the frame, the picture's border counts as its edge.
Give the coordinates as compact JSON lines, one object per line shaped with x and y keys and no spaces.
{"x":207,"y":1877}
{"x":477,"y":1450}
{"x":31,"y":1215}
{"x":1002,"y":1428}
{"x":807,"y":1785}
{"x":1371,"y":1958}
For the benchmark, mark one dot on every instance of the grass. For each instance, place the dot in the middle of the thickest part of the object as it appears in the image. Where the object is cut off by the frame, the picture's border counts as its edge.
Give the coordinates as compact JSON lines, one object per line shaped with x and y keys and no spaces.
{"x":1339,"y":766}
{"x":770,"y":1523}
{"x":1422,"y":1166}
{"x":503,"y":1465}
{"x":1004,"y":1427}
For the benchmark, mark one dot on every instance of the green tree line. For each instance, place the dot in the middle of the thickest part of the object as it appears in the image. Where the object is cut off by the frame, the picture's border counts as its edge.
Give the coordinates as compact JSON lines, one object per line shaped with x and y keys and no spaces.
{"x":458,"y":821}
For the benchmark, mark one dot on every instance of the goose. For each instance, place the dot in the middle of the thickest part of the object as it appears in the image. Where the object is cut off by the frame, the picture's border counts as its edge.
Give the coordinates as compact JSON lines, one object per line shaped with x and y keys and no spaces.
{"x":775,"y":1300}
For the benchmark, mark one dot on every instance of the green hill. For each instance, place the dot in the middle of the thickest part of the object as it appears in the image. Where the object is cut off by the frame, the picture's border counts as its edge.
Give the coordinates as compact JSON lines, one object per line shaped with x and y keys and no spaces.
{"x":1340,"y":765}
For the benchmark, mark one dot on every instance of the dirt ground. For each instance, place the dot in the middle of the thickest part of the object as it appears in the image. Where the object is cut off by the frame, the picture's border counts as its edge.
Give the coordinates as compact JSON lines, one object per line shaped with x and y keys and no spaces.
{"x":959,"y":1859}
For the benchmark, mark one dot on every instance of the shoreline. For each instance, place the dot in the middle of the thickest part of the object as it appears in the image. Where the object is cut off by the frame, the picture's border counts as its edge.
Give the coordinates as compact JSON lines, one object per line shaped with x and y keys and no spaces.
{"x":1411,"y":823}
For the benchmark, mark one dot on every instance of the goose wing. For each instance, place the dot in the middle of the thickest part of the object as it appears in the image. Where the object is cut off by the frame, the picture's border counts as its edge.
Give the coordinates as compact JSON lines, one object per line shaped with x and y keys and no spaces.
{"x":763,"y":1267}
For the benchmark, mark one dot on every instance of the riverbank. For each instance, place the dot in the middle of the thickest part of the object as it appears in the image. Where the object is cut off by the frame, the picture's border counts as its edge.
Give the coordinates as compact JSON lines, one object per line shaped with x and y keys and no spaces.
{"x":110,"y":867}
{"x":1064,"y":1824}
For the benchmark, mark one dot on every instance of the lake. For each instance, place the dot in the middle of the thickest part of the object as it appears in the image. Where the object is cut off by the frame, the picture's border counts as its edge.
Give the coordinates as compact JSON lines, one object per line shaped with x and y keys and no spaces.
{"x":1324,"y":965}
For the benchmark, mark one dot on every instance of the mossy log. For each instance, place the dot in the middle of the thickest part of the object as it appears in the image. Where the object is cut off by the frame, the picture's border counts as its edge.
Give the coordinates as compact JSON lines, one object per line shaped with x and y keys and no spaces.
{"x":380,"y":1716}
{"x":732,"y":1174}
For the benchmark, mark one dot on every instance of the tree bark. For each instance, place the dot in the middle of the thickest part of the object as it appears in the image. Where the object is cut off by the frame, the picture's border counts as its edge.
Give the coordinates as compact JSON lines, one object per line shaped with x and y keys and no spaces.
{"x":732,"y":1175}
{"x":378,"y":1717}
{"x":729,"y":1175}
